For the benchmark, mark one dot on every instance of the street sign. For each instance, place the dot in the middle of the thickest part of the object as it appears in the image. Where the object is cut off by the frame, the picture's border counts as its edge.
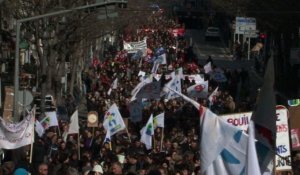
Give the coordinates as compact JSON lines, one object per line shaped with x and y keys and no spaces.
{"x":25,"y":98}
{"x":243,"y":25}
{"x":251,"y":34}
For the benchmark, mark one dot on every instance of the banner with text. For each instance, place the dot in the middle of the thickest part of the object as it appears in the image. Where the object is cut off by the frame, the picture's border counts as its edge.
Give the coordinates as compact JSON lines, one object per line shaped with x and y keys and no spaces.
{"x":283,"y":157}
{"x":14,"y":136}
{"x":134,"y":47}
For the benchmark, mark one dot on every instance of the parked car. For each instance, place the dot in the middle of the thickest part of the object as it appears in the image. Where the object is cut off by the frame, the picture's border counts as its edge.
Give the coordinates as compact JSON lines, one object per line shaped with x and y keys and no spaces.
{"x":212,"y":33}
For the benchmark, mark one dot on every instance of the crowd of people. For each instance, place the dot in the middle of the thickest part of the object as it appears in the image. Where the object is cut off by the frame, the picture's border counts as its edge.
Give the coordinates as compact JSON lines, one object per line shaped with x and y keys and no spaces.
{"x":175,"y":149}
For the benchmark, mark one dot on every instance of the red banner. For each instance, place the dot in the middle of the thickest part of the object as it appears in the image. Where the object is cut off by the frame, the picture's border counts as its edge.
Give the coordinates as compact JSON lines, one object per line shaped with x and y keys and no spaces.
{"x":179,"y":32}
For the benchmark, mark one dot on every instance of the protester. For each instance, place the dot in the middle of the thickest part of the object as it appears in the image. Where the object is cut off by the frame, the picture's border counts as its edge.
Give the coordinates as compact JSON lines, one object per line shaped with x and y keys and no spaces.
{"x":175,"y":147}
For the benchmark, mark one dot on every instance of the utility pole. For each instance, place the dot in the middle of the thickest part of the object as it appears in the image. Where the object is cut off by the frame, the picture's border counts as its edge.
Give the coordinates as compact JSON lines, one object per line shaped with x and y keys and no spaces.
{"x":19,"y":23}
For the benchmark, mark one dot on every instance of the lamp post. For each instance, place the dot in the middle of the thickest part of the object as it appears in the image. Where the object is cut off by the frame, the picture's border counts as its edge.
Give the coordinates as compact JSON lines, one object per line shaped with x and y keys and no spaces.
{"x":17,"y":54}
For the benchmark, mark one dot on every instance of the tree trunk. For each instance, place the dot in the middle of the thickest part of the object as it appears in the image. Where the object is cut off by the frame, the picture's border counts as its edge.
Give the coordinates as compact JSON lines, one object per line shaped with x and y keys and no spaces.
{"x":74,"y":72}
{"x":43,"y":78}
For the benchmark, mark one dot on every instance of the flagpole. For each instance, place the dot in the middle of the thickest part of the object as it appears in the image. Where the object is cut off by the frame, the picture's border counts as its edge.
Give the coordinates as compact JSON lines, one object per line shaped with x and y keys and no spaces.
{"x":162,"y":139}
{"x":59,"y":133}
{"x":78,"y":140}
{"x":141,"y":62}
{"x":154,"y":142}
{"x":110,"y":145}
{"x":128,"y":135}
{"x":31,"y":145}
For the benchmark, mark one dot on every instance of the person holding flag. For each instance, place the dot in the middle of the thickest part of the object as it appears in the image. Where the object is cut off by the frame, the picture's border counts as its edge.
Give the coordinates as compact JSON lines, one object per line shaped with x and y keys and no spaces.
{"x":147,"y":132}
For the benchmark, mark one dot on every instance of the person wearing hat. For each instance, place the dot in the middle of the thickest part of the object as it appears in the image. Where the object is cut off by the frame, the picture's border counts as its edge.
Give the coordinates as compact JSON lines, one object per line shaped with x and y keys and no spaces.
{"x":97,"y":169}
{"x":20,"y":171}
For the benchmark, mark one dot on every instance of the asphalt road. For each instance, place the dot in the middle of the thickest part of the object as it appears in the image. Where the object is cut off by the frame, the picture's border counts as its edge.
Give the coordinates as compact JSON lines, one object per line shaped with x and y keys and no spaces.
{"x":217,"y":50}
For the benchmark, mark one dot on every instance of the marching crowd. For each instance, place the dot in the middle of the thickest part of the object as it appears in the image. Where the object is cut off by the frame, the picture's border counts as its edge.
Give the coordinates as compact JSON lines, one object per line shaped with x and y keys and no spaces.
{"x":175,"y":149}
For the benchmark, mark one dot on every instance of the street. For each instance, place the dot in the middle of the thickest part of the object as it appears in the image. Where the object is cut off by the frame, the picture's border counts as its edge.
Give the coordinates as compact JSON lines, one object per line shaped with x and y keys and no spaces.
{"x":217,"y":50}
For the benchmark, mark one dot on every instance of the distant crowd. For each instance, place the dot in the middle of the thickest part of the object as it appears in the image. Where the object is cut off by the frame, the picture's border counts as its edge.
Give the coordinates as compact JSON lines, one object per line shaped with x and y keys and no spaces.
{"x":175,"y":147}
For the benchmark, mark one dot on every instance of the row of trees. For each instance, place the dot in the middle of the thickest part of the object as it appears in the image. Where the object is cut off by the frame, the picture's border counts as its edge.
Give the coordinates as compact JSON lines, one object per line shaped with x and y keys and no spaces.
{"x":68,"y":38}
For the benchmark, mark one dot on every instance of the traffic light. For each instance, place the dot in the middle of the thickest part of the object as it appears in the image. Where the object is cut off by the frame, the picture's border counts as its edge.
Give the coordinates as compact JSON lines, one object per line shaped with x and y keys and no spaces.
{"x":262,"y":36}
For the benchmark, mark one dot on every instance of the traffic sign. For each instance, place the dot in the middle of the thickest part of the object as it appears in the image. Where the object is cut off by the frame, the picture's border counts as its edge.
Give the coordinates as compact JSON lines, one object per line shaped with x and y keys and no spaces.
{"x":243,"y":25}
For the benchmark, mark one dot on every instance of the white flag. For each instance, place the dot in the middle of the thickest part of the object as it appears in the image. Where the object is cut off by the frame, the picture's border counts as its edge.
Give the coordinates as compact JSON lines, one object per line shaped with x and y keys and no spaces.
{"x":199,"y":79}
{"x":39,"y":128}
{"x":213,"y":96}
{"x":109,"y":91}
{"x":175,"y":84}
{"x":223,"y":148}
{"x":198,"y":90}
{"x":147,"y":132}
{"x":74,"y":126}
{"x":252,"y":166}
{"x":49,"y":120}
{"x":159,"y":120}
{"x":207,"y":68}
{"x":107,"y":138}
{"x":155,"y":67}
{"x":162,"y":59}
{"x":139,"y":86}
{"x":114,"y":85}
{"x":53,"y":118}
{"x":113,"y":120}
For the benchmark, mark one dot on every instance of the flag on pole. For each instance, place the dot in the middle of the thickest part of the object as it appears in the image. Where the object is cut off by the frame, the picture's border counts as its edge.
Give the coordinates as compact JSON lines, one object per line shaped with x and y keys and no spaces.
{"x":49,"y":120}
{"x":174,"y":83}
{"x":155,"y":67}
{"x":213,"y":96}
{"x":223,"y":149}
{"x":199,"y":79}
{"x":160,"y":51}
{"x":264,"y":116}
{"x":113,"y":120}
{"x":147,"y":132}
{"x":159,"y":120}
{"x":136,"y":111}
{"x":193,"y":102}
{"x":207,"y":68}
{"x":107,"y":138}
{"x":198,"y":90}
{"x":141,"y":84}
{"x":162,"y":59}
{"x":74,"y":126}
{"x":138,"y":54}
{"x":149,"y":91}
{"x":252,"y":166}
{"x":114,"y":85}
{"x":40,"y":130}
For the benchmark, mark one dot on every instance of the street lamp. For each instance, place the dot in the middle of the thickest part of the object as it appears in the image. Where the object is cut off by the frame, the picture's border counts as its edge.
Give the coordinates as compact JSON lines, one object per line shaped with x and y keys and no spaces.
{"x":18,"y":26}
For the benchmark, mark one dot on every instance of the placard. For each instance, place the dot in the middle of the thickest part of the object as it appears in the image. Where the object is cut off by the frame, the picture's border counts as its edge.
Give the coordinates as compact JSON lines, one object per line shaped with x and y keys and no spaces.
{"x":283,"y":157}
